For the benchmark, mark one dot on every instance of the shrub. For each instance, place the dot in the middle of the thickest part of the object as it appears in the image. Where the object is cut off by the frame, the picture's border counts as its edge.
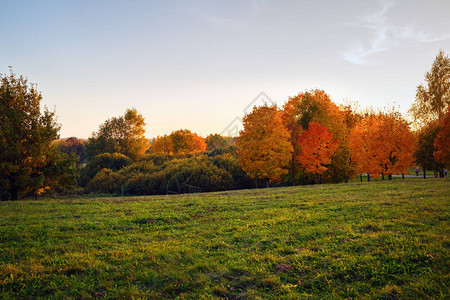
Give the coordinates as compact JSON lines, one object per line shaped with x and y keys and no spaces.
{"x":114,"y":162}
{"x":145,"y":184}
{"x":106,"y":181}
{"x":229,"y":163}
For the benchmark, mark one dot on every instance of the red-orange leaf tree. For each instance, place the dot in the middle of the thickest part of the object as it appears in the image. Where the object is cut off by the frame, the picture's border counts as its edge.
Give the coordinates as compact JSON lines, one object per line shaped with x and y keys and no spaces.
{"x":316,"y":106}
{"x":264,"y":149}
{"x":382,"y":144}
{"x":317,"y":147}
{"x":442,"y":142}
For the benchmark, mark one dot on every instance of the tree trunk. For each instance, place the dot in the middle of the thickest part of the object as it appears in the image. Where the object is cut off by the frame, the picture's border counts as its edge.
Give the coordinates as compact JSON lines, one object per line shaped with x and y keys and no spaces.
{"x":382,"y":175}
{"x":317,"y":178}
{"x":368,"y":177}
{"x":267,"y":183}
{"x":14,"y":193}
{"x":424,"y":174}
{"x":293,"y":170}
{"x":441,"y":174}
{"x":14,"y":188}
{"x":360,"y":176}
{"x":390,"y":177}
{"x":403,"y":176}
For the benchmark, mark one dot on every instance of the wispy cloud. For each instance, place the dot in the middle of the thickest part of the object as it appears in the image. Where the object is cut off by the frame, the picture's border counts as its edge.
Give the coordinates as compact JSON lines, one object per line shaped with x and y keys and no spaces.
{"x":385,"y":35}
{"x":249,"y":10}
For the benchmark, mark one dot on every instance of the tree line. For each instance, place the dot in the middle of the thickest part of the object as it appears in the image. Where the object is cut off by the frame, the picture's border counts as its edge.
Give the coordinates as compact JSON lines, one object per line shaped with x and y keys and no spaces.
{"x":310,"y":139}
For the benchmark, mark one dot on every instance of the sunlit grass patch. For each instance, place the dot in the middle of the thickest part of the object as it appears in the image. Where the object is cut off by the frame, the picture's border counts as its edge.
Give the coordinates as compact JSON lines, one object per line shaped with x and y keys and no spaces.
{"x":373,"y":240}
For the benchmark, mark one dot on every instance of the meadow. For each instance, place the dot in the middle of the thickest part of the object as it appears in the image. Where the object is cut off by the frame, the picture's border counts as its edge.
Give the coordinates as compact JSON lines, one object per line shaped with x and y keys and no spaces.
{"x":383,"y":240}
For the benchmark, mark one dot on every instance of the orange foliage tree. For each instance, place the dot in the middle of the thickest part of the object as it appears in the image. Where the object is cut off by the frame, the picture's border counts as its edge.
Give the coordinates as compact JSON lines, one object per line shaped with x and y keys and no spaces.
{"x":363,"y":146}
{"x":382,"y":144}
{"x":316,"y":106}
{"x":179,"y":142}
{"x":264,"y":149}
{"x":442,"y":142}
{"x":317,"y":146}
{"x":398,"y":144}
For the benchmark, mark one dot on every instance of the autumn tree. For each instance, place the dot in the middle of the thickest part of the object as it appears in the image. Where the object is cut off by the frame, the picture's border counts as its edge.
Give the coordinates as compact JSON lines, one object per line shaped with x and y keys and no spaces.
{"x":433,"y":99}
{"x":179,"y":142}
{"x":124,"y":134}
{"x":363,"y":146}
{"x":382,"y":144}
{"x":317,"y":146}
{"x":442,"y":142}
{"x":264,"y":149}
{"x":29,"y":164}
{"x":316,"y":106}
{"x":397,"y":143}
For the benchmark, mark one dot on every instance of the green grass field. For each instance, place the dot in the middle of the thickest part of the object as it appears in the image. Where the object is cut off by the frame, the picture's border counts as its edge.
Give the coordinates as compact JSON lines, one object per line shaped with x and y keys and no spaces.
{"x":384,"y":239}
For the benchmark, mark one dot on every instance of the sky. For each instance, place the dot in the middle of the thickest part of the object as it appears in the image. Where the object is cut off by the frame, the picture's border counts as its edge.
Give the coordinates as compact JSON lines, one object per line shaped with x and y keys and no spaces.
{"x":199,"y":64}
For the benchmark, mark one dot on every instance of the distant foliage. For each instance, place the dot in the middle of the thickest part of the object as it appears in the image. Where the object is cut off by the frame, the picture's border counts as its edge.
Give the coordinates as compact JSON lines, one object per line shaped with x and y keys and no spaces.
{"x":179,"y":142}
{"x":72,"y":145}
{"x":124,"y":134}
{"x":216,"y":141}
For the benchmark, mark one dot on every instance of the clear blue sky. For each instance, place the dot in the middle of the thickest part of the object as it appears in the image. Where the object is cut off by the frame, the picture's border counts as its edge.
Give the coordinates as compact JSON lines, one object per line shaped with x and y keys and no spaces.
{"x":197,"y":64}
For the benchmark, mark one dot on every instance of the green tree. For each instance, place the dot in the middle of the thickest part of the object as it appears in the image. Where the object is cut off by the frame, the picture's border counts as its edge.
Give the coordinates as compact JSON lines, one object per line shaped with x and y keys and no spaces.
{"x":432,"y":101}
{"x":29,"y":164}
{"x":124,"y":134}
{"x":425,"y":149}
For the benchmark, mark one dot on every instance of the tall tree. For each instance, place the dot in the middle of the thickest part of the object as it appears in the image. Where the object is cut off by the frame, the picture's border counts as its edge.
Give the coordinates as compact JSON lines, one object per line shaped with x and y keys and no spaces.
{"x":29,"y":164}
{"x":124,"y":134}
{"x":397,"y":143}
{"x":365,"y":145}
{"x":317,"y":147}
{"x":264,"y":149}
{"x":432,"y":100}
{"x":442,"y":142}
{"x":316,"y":106}
{"x":425,"y":149}
{"x":382,"y":144}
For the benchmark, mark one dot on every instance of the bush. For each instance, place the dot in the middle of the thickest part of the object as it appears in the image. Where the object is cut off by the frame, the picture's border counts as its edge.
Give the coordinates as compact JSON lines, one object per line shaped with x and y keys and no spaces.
{"x":226,"y":150}
{"x":114,"y":162}
{"x":196,"y":175}
{"x":145,"y":184}
{"x":106,"y":181}
{"x":229,"y":163}
{"x":179,"y":176}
